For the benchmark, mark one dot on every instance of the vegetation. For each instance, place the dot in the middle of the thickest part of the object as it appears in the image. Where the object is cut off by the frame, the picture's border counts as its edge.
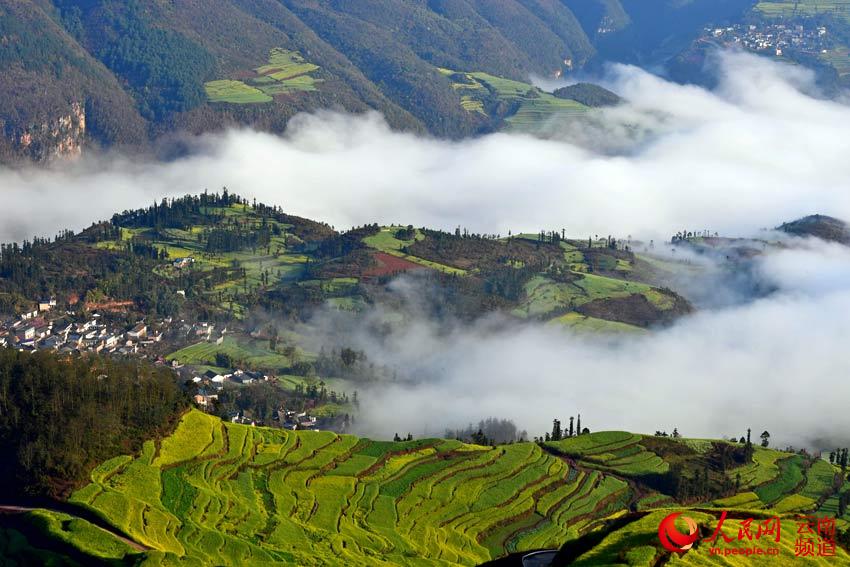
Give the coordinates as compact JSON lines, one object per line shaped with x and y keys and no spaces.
{"x":140,"y":71}
{"x":519,"y":106}
{"x":61,"y":416}
{"x":233,"y":494}
{"x":286,"y":73}
{"x":588,"y":94}
{"x":819,"y":226}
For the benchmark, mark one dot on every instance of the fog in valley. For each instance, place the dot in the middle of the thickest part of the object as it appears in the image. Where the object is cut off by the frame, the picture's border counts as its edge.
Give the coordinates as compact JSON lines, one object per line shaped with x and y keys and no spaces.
{"x":759,"y":150}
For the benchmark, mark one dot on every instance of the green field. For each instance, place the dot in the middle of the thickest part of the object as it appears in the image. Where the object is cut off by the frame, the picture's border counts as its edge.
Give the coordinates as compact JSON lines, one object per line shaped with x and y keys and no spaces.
{"x":236,"y":92}
{"x":385,"y":241}
{"x":227,"y":494}
{"x":583,"y":323}
{"x":792,"y":8}
{"x":546,"y":297}
{"x":614,"y":451}
{"x":788,"y":480}
{"x":534,"y":107}
{"x":286,"y":72}
{"x":234,"y":495}
{"x":253,"y":354}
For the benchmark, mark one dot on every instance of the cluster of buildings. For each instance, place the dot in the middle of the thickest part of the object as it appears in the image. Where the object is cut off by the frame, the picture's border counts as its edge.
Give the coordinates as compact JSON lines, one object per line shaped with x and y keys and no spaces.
{"x":287,"y":419}
{"x":180,"y":263}
{"x":38,"y":330}
{"x":773,"y":38}
{"x":216,"y":381}
{"x":295,"y":420}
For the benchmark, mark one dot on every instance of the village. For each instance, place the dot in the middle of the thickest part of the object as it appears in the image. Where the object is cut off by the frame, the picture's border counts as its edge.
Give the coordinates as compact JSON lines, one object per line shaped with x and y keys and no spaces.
{"x":777,"y":39}
{"x":44,"y":327}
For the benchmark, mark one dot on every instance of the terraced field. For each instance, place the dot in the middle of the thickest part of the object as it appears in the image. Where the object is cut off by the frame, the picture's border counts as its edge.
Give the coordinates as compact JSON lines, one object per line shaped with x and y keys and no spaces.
{"x":533,"y":107}
{"x":254,"y":354}
{"x":791,"y":8}
{"x":286,"y":72}
{"x":385,"y":241}
{"x":227,"y":494}
{"x":234,"y":495}
{"x":615,"y":451}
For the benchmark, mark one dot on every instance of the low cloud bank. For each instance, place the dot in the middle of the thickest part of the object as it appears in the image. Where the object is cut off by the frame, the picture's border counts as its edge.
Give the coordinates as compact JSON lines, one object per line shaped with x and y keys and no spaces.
{"x":757,"y":151}
{"x":775,"y":363}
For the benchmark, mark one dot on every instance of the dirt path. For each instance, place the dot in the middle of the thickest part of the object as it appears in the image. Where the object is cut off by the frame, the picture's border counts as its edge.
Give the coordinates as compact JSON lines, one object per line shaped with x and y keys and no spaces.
{"x":11,"y":510}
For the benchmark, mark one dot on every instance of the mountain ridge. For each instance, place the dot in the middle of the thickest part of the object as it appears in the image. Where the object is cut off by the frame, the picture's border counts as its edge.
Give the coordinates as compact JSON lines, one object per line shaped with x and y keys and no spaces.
{"x":138,"y":71}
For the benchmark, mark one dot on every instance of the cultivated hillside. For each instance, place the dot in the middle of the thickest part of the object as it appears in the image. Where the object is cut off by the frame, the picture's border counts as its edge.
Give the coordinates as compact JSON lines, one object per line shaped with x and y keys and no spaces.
{"x":231,"y":494}
{"x":75,"y":73}
{"x":243,"y":257}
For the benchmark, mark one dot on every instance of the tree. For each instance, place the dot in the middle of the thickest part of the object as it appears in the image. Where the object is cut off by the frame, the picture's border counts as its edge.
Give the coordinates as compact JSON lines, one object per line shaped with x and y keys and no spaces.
{"x":557,"y":434}
{"x":348,"y":356}
{"x":572,"y":431}
{"x":396,"y":438}
{"x":223,"y":360}
{"x":765,"y":439}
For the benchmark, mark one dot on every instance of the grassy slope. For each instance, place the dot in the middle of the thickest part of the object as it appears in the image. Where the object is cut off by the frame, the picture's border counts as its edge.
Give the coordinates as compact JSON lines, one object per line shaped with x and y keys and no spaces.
{"x":531,"y":107}
{"x":236,"y":495}
{"x":285,"y":73}
{"x":385,"y":241}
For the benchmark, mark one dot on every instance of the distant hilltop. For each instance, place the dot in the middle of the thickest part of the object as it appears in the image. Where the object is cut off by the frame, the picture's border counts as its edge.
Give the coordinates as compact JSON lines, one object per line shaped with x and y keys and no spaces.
{"x":824,"y":227}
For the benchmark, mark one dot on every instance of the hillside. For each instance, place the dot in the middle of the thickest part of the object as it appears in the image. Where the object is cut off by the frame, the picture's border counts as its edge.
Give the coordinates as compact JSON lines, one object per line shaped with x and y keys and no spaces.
{"x":820,"y":226}
{"x":77,"y":73}
{"x":650,"y":32}
{"x":231,"y":292}
{"x":239,"y":495}
{"x":242,"y":256}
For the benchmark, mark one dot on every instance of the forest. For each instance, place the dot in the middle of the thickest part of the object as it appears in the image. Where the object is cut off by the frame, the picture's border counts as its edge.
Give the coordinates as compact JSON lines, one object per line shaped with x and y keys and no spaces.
{"x":62,"y":415}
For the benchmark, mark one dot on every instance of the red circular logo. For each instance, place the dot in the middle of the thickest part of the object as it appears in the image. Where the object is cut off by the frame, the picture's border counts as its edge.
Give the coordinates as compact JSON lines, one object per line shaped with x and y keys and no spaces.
{"x":672,"y":539}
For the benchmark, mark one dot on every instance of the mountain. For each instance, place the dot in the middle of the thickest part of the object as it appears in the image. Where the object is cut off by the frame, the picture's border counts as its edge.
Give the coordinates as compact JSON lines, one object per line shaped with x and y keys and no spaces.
{"x":75,"y":73}
{"x":820,"y":226}
{"x":249,"y":256}
{"x":650,"y":32}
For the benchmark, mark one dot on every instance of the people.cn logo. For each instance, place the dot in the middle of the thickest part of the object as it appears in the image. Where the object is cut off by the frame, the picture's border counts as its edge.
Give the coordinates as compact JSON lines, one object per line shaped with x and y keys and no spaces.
{"x":672,"y":539}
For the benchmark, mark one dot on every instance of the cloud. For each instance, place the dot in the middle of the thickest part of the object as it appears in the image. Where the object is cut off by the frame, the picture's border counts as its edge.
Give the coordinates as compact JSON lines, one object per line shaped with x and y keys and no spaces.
{"x":757,"y":151}
{"x":774,"y":363}
{"x":760,"y":149}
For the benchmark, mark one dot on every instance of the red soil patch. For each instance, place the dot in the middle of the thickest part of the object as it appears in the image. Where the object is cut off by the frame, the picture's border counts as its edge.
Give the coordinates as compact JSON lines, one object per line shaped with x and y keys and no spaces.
{"x":389,"y":265}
